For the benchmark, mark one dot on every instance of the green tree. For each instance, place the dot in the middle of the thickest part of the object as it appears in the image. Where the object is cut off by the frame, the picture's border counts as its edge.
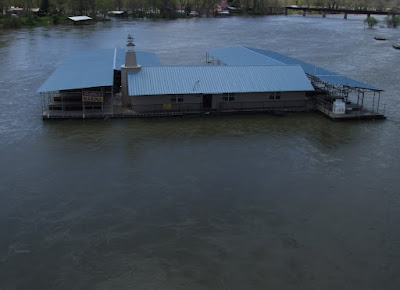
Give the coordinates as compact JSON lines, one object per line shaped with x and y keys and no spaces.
{"x":197,"y":5}
{"x":59,"y":6}
{"x":209,"y":6}
{"x":371,"y":21}
{"x":104,"y":6}
{"x":392,"y":21}
{"x":44,"y":6}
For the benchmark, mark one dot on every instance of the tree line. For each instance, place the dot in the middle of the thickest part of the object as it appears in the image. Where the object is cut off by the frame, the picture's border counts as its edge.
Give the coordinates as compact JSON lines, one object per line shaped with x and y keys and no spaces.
{"x":168,"y":8}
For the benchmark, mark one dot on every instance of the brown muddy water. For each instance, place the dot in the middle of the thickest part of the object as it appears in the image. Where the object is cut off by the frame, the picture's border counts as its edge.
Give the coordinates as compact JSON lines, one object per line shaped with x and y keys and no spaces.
{"x":233,"y":202}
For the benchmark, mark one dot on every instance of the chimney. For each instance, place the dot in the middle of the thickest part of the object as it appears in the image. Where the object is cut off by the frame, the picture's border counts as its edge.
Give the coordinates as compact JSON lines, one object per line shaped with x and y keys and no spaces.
{"x":130,"y":66}
{"x":130,"y":56}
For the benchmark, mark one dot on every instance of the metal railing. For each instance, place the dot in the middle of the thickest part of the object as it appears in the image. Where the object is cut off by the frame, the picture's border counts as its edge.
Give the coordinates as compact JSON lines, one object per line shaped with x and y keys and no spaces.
{"x":226,"y":106}
{"x":268,"y":105}
{"x":176,"y":107}
{"x":323,"y":104}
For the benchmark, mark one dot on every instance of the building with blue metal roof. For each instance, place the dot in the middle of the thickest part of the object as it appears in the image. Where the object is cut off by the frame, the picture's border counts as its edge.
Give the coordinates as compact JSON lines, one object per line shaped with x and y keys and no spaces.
{"x":179,"y":80}
{"x":330,"y":87}
{"x":118,"y":82}
{"x":125,"y":82}
{"x":240,"y":55}
{"x":92,"y":68}
{"x":213,"y":88}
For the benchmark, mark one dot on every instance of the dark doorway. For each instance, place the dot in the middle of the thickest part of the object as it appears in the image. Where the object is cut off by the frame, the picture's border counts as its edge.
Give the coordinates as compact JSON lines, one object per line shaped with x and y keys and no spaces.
{"x":207,"y":101}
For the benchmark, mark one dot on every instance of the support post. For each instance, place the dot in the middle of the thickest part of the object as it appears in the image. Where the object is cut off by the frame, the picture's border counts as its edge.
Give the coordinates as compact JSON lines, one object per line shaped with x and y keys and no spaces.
{"x":379,"y":99}
{"x":83,"y":109}
{"x":373,"y":103}
{"x":102,"y":104}
{"x":362,"y":101}
{"x":345,"y":16}
{"x":112,"y":101}
{"x":304,"y":12}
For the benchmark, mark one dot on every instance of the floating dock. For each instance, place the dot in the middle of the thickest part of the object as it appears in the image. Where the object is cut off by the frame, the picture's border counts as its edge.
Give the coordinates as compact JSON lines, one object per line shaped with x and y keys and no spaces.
{"x":360,"y":114}
{"x":104,"y":84}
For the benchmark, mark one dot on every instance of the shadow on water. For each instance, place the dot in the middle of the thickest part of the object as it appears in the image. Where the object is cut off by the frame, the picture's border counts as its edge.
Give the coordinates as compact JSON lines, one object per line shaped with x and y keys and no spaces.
{"x":313,"y":126}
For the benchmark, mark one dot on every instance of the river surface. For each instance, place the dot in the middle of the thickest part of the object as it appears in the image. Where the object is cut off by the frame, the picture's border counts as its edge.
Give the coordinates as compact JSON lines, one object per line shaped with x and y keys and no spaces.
{"x":233,"y":202}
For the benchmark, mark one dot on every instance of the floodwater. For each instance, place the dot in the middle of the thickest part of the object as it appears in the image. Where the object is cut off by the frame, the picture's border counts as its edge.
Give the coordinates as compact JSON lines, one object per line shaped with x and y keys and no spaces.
{"x":235,"y":202}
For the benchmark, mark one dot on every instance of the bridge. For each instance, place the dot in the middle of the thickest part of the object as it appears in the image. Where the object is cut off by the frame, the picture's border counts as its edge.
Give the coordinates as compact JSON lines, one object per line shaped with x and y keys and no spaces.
{"x":325,"y":11}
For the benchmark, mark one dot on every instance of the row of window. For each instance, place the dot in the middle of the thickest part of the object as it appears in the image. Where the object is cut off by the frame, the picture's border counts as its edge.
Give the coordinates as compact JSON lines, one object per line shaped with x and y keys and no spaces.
{"x":276,"y":96}
{"x":228,"y":99}
{"x":176,"y":100}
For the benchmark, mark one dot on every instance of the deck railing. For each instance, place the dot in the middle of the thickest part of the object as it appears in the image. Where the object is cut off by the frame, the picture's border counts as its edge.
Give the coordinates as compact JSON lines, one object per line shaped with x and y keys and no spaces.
{"x":267,"y":105}
{"x":179,"y":108}
{"x":227,"y":106}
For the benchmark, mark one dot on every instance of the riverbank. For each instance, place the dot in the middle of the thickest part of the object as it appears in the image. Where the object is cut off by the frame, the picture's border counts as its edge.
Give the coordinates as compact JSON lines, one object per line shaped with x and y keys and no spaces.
{"x":9,"y":22}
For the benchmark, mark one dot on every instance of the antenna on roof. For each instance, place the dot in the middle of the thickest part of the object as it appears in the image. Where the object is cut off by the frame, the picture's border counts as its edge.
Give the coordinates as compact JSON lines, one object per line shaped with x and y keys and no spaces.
{"x":196,"y":83}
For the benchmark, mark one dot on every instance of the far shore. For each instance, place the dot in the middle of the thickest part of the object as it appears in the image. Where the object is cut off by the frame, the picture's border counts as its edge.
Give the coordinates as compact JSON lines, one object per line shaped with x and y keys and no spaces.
{"x":14,"y":21}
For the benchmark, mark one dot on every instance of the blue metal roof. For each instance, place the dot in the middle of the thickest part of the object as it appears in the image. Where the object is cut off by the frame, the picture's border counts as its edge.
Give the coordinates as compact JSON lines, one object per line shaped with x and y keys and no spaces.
{"x":320,"y":73}
{"x":240,"y":55}
{"x":92,"y":68}
{"x":166,"y":80}
{"x":247,"y":55}
{"x":143,"y":58}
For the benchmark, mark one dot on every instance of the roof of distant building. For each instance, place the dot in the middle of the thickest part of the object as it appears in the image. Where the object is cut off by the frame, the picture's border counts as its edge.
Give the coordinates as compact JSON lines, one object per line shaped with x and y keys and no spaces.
{"x":116,"y":12}
{"x":166,"y":80}
{"x":79,"y":18}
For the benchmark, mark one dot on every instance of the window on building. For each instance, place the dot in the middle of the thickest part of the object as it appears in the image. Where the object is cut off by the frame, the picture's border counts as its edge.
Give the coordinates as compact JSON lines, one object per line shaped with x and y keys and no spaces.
{"x":228,"y":98}
{"x":175,"y":99}
{"x":275,"y":96}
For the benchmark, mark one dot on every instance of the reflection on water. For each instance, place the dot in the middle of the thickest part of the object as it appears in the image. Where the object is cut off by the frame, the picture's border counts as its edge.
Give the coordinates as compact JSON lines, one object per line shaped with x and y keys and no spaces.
{"x":201,"y":202}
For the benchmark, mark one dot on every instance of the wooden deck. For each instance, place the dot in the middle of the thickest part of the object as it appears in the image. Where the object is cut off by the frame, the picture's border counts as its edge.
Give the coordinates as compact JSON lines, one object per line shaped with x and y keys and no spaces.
{"x":128,"y":113}
{"x":350,"y":115}
{"x":353,"y":112}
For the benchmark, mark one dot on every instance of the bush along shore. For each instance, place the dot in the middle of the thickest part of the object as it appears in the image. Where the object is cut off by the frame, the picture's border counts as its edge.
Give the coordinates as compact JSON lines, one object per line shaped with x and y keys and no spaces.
{"x":13,"y":21}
